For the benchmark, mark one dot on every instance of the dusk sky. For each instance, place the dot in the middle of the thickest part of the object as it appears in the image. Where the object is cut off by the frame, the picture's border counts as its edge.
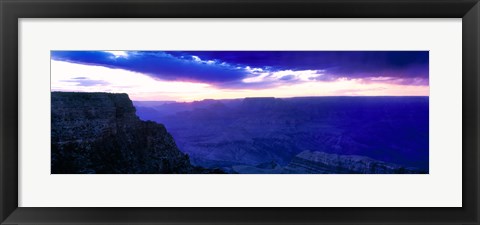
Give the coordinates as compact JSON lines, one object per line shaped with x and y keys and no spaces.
{"x":197,"y":75}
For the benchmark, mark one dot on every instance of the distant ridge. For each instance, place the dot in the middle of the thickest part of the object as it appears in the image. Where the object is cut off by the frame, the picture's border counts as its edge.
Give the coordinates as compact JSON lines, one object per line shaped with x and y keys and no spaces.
{"x":143,"y":103}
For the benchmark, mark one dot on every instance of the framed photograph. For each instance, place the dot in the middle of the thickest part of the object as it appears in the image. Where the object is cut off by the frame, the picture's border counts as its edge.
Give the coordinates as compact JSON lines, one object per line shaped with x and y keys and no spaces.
{"x":239,"y":112}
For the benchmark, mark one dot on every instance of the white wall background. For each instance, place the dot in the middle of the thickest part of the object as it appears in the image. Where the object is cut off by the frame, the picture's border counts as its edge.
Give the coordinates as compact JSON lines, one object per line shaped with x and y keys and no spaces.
{"x":441,"y":188}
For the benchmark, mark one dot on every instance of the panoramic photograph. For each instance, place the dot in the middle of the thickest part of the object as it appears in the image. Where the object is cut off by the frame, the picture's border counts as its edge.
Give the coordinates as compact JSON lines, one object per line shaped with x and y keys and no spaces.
{"x":239,"y":112}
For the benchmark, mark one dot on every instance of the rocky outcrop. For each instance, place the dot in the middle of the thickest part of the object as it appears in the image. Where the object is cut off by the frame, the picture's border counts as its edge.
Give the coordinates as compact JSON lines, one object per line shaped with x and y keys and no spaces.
{"x":325,"y":163}
{"x":100,"y":133}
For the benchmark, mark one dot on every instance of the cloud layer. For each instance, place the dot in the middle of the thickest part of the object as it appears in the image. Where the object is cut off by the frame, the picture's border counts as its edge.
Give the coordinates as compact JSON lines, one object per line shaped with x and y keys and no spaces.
{"x":261,"y":69}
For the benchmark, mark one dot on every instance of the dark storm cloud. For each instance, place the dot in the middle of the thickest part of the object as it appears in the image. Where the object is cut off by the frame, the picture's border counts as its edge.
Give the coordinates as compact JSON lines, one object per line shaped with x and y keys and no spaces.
{"x":353,"y":64}
{"x":157,"y":64}
{"x":229,"y":68}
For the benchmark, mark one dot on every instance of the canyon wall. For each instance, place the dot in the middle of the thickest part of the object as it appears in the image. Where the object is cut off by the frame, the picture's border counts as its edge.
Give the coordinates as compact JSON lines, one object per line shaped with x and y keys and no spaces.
{"x":100,"y":133}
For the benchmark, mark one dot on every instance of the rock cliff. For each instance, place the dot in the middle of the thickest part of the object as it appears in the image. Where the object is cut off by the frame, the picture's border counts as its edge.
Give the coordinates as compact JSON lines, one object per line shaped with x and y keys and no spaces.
{"x":324,"y":163}
{"x":100,"y":133}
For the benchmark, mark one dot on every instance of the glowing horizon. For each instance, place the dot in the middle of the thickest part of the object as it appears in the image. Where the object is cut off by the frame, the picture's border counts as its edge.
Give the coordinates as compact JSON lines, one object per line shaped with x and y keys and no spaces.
{"x":187,"y":78}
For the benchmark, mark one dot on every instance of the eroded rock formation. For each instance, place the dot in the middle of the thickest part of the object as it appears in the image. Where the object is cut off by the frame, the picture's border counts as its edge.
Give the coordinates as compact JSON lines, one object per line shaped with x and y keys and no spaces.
{"x":100,"y":133}
{"x":324,"y":163}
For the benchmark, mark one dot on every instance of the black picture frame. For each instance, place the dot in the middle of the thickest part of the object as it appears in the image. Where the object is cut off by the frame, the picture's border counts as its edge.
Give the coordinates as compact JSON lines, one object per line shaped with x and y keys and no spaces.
{"x":12,"y":10}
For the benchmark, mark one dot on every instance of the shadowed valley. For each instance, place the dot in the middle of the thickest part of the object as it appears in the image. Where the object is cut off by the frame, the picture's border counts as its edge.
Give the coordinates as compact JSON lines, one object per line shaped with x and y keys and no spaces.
{"x":299,"y":135}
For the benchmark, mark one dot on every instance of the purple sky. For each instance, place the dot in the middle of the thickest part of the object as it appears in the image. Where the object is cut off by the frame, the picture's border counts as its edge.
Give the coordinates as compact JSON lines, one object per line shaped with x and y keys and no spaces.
{"x":261,"y":72}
